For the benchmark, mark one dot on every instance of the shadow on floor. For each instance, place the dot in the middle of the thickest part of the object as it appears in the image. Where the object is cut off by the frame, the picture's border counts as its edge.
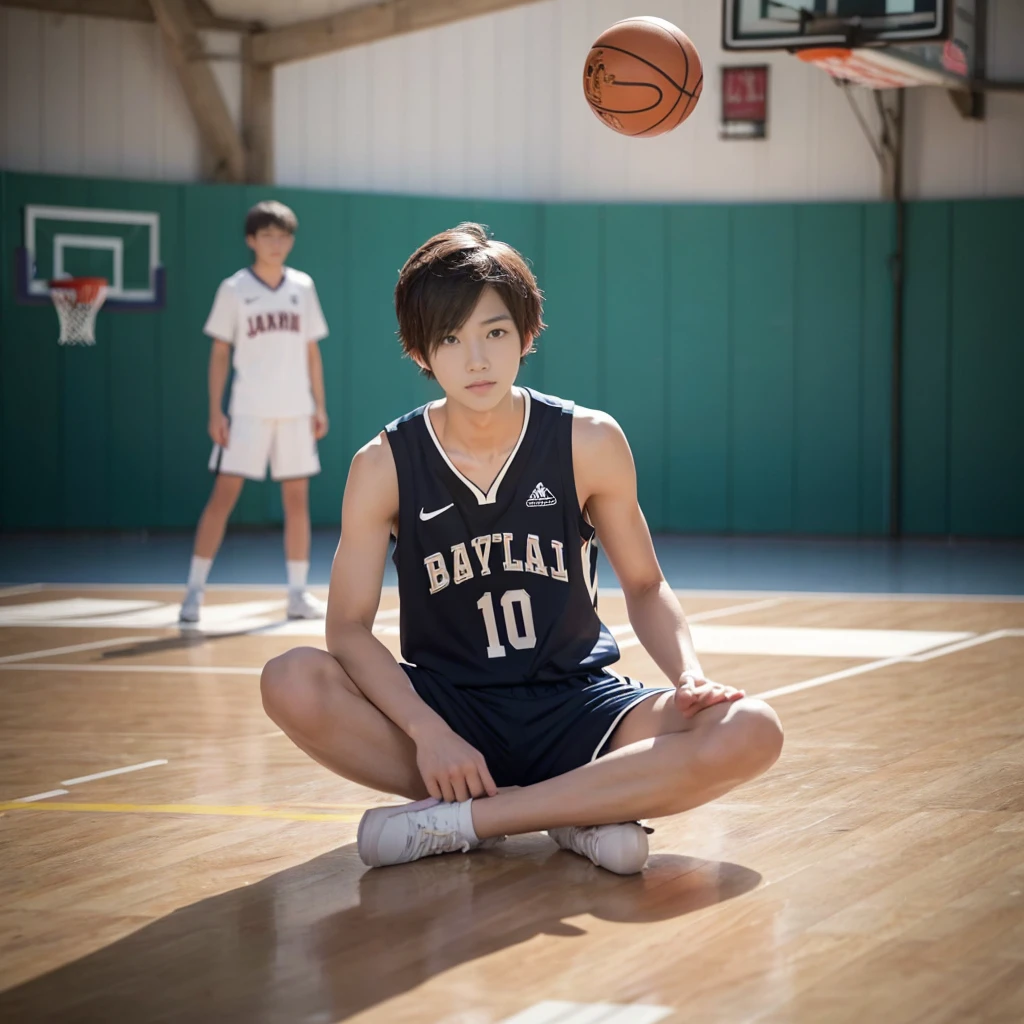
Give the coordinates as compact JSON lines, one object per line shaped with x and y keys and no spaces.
{"x":328,"y":939}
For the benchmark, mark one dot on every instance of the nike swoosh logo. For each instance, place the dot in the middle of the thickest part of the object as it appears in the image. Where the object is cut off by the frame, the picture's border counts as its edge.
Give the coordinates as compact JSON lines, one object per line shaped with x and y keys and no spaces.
{"x":255,"y":298}
{"x":430,"y":515}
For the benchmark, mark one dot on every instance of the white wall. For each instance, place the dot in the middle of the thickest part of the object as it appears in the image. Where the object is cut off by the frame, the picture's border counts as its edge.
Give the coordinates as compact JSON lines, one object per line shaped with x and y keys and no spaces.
{"x":950,"y":156}
{"x":494,"y":107}
{"x":93,"y":96}
{"x":491,"y":106}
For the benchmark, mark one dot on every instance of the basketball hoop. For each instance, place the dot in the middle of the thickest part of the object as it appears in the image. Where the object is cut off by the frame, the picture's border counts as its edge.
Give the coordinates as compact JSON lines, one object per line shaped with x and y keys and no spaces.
{"x":875,"y":68}
{"x":78,"y":300}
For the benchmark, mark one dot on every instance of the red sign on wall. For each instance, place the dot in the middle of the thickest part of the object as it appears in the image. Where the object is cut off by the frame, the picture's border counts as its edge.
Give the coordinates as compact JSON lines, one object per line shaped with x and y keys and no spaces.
{"x":744,"y":102}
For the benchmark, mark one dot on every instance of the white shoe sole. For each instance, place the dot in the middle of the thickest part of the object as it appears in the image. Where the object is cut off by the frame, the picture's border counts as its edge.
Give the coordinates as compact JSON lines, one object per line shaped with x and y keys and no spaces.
{"x":372,"y":824}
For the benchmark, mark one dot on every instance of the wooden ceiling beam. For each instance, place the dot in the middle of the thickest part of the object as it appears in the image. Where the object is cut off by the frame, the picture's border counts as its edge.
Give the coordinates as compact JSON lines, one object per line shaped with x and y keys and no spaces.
{"x":368,"y":23}
{"x":133,"y":10}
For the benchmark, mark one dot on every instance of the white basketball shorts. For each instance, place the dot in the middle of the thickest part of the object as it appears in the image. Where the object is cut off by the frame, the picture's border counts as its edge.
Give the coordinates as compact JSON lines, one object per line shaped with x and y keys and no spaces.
{"x":288,"y":445}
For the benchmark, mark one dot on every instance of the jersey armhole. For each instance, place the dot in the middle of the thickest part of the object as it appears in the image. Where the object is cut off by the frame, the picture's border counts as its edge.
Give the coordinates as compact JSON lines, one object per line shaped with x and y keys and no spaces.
{"x":399,"y":452}
{"x":568,"y":417}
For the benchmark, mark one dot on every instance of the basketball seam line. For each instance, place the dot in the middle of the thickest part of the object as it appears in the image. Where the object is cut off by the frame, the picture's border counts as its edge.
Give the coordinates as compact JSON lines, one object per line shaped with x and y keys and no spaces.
{"x":693,"y":95}
{"x":630,"y":53}
{"x":639,"y":110}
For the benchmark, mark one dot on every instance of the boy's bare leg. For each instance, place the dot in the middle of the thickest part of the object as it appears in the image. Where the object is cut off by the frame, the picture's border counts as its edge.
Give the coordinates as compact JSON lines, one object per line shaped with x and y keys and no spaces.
{"x":295,"y":499}
{"x":214,"y":519}
{"x":660,"y":763}
{"x":311,"y":697}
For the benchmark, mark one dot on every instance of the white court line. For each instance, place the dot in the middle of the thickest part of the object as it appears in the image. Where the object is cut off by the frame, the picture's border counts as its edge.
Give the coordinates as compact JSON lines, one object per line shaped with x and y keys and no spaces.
{"x":857,"y":595}
{"x":720,"y":613}
{"x":95,"y":645}
{"x":198,"y":670}
{"x":27,"y":588}
{"x":872,"y":666}
{"x":715,"y":613}
{"x":558,"y":1012}
{"x":41,"y":796}
{"x":113,"y":771}
{"x":782,"y":595}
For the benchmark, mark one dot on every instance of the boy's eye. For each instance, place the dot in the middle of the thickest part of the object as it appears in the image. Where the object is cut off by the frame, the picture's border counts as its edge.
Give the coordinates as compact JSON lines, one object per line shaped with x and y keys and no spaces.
{"x":450,"y":340}
{"x":498,"y":332}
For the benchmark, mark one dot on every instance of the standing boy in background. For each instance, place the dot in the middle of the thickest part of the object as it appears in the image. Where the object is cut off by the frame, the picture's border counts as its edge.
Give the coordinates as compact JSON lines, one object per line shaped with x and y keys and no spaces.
{"x":266,"y":321}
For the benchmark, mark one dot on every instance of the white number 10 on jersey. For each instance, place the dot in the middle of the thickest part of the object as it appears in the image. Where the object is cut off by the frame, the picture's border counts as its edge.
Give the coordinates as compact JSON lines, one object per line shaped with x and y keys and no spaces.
{"x":520,"y":641}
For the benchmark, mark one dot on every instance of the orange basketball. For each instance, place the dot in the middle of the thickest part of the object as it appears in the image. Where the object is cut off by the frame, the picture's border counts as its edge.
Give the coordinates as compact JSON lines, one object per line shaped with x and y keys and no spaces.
{"x":643,"y":76}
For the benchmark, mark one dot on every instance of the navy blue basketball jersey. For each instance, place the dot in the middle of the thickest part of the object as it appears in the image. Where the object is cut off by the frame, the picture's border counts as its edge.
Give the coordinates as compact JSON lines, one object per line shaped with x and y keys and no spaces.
{"x":497,"y":587}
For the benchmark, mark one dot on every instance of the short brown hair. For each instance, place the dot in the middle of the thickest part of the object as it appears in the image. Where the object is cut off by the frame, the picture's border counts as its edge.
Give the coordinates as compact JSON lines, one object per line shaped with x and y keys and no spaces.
{"x":270,"y":214}
{"x":442,"y":280}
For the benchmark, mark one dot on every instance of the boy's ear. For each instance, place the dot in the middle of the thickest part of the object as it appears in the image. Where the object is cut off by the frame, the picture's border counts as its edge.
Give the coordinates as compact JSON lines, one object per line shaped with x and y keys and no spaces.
{"x":528,"y":344}
{"x":420,"y":361}
{"x":250,"y":240}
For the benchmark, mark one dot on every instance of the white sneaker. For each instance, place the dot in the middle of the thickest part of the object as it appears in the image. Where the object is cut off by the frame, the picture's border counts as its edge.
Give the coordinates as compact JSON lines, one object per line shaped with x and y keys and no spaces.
{"x":303,"y":605}
{"x":397,"y":835}
{"x":619,"y":848}
{"x":191,"y":605}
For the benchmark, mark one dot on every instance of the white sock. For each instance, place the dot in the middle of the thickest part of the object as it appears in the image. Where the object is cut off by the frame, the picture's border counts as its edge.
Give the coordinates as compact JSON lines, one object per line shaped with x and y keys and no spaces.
{"x":199,"y":571}
{"x":466,"y":821}
{"x":298,"y":572}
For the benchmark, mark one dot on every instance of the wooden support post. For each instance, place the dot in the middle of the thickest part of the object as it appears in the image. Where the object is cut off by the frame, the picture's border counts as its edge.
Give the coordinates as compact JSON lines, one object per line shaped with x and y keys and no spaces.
{"x":257,"y":117}
{"x":216,"y":127}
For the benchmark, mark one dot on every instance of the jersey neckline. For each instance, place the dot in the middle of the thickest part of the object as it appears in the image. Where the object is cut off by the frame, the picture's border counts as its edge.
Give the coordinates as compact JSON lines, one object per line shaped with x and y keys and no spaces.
{"x":490,"y":496}
{"x":280,"y":284}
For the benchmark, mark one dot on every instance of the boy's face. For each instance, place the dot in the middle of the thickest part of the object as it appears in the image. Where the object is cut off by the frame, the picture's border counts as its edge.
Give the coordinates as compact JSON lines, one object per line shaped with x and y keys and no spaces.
{"x":271,"y":245}
{"x":477,"y":364}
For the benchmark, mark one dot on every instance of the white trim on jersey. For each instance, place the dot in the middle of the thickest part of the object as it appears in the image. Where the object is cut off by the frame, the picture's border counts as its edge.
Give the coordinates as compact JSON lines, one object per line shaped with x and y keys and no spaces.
{"x":644,"y":694}
{"x":492,"y":494}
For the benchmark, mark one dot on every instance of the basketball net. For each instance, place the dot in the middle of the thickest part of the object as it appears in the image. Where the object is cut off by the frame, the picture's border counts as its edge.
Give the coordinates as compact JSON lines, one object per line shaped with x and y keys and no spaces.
{"x":77,"y":301}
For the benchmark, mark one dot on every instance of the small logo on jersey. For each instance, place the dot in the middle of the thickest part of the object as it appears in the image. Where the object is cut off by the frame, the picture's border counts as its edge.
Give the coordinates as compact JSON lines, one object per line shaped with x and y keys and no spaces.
{"x":255,"y":298}
{"x":424,"y":515}
{"x":295,"y":300}
{"x":540,"y":496}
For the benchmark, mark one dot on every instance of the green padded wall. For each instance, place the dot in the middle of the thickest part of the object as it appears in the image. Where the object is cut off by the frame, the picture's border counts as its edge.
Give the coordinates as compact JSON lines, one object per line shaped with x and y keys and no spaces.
{"x":744,"y":348}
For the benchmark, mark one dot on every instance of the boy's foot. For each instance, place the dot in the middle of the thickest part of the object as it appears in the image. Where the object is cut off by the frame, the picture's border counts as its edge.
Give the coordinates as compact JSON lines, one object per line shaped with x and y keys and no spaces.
{"x":191,"y":605}
{"x":397,"y":835}
{"x":619,"y":848}
{"x":303,"y":605}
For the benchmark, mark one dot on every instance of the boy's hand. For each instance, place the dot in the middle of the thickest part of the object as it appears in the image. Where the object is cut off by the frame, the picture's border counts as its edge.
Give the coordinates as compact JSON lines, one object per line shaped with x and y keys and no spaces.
{"x":320,"y":424}
{"x":219,"y":428}
{"x":695,"y":693}
{"x":452,"y":769}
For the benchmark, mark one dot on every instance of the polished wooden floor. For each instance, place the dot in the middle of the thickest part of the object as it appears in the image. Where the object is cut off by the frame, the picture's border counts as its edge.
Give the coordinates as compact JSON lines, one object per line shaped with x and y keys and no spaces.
{"x":875,"y":875}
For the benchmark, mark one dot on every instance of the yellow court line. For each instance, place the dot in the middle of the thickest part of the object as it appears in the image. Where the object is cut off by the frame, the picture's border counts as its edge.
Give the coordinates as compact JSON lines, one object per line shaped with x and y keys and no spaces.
{"x":244,"y":812}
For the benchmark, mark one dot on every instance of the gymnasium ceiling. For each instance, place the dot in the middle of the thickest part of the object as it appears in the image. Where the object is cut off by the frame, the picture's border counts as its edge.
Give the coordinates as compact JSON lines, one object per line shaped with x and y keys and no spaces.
{"x":274,"y":13}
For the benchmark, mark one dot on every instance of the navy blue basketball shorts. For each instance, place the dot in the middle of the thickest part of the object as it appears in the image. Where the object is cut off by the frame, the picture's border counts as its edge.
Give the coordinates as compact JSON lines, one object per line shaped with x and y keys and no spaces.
{"x":534,"y":731}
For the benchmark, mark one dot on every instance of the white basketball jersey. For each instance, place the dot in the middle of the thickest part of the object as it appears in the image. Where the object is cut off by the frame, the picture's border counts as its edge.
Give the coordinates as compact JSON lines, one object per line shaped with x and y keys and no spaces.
{"x":269,"y":329}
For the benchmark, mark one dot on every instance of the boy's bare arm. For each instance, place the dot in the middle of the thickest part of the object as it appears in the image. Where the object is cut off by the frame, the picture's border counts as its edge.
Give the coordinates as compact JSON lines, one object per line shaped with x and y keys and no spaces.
{"x":451,"y":768}
{"x":316,"y":383}
{"x":217,"y":378}
{"x":606,"y":481}
{"x":368,"y":510}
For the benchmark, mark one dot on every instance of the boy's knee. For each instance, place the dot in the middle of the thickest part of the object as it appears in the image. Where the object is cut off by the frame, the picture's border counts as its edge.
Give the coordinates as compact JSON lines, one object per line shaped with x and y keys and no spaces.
{"x":752,"y":736}
{"x":295,"y":499}
{"x":289,"y":685}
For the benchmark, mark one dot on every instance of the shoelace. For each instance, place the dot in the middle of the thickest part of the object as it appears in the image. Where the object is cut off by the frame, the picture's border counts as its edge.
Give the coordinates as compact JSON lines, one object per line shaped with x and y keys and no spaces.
{"x":436,"y":840}
{"x":584,"y":841}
